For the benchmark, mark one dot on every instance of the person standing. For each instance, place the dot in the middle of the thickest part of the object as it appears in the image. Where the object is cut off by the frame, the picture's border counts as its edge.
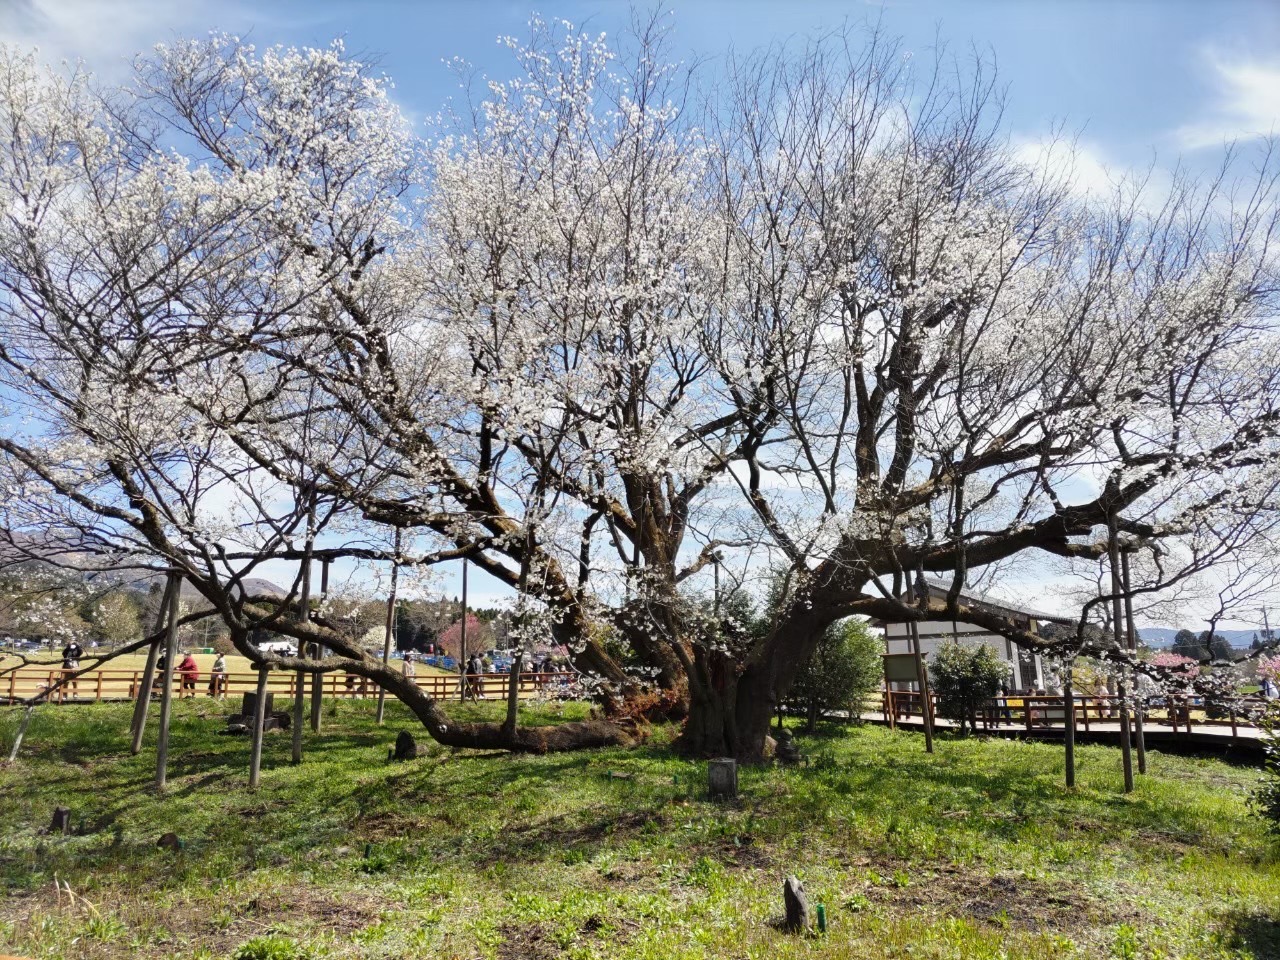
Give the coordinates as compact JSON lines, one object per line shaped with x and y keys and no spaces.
{"x":71,"y":655}
{"x":157,"y":679}
{"x":189,"y":670}
{"x":407,"y":667}
{"x":218,"y":677}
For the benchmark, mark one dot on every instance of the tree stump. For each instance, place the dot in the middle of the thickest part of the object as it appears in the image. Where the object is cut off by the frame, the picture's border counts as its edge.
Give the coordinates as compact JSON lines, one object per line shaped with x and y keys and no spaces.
{"x":61,"y":821}
{"x":796,"y":904}
{"x":407,"y":748}
{"x":248,"y":706}
{"x":170,"y":841}
{"x":722,"y":779}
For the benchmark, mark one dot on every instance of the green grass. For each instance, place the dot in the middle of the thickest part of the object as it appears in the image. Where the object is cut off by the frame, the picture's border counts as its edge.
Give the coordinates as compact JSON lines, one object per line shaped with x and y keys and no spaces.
{"x":975,"y":852}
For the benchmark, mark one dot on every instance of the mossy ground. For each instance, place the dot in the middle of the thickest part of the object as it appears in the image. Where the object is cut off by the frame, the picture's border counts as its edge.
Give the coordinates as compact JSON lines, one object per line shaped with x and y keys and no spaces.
{"x":977,"y":851}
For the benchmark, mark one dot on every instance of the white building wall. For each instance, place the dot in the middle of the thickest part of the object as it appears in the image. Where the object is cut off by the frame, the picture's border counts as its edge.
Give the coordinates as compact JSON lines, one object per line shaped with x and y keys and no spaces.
{"x":1028,"y":672}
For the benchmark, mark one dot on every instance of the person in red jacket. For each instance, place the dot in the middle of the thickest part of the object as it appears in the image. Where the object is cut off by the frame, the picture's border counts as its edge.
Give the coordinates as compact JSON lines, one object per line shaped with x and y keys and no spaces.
{"x":189,"y":670}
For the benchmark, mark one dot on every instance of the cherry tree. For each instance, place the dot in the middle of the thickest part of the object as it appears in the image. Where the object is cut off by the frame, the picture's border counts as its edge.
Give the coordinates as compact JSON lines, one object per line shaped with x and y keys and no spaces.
{"x":131,"y":276}
{"x":610,"y":337}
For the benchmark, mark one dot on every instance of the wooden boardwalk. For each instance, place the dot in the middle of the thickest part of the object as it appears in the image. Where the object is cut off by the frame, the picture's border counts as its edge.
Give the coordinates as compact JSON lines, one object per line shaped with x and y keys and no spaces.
{"x":1177,"y":726}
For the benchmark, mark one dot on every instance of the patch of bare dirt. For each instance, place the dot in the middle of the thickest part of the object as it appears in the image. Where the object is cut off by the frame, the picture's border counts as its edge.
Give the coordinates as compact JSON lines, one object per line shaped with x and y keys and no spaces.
{"x":172,"y":933}
{"x":1011,"y":901}
{"x":387,"y":825}
{"x":526,"y":941}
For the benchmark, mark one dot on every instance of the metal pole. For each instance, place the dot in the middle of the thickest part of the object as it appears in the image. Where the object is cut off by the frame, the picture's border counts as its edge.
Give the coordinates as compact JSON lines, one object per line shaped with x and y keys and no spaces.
{"x":1139,"y":734}
{"x":1126,"y":746}
{"x":166,"y":693}
{"x":391,"y":625}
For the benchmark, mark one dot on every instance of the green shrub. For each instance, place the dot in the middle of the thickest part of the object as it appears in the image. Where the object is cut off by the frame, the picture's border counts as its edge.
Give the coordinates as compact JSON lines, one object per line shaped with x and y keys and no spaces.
{"x":844,"y":668}
{"x":1266,"y":799}
{"x":271,"y":947}
{"x":965,"y":677}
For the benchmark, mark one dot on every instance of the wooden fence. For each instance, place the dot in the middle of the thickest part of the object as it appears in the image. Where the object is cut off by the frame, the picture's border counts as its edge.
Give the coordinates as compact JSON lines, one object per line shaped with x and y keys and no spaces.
{"x":105,"y":685}
{"x":1039,"y":712}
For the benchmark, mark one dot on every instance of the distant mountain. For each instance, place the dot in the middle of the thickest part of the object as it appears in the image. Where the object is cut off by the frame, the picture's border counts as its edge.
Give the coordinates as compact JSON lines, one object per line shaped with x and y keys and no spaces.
{"x":1163,"y":636}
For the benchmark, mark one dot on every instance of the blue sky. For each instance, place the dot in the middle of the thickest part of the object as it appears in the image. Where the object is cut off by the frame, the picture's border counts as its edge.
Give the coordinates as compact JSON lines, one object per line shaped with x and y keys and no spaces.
{"x":1139,"y":82}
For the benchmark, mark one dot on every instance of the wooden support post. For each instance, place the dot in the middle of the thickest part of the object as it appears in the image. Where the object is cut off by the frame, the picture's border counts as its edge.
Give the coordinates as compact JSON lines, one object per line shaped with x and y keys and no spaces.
{"x":259,"y":723}
{"x":22,"y":731}
{"x":1126,"y":745}
{"x":317,"y":679}
{"x":143,"y":702}
{"x":922,"y":678}
{"x":464,"y":681}
{"x":391,"y":625}
{"x":1132,"y":637}
{"x":166,"y":693}
{"x":513,"y":696}
{"x":300,"y":685}
{"x":1069,"y":713}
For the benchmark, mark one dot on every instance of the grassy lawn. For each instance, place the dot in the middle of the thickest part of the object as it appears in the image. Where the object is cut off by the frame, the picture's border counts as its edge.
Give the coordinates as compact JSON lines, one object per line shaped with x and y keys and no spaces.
{"x":975,"y":852}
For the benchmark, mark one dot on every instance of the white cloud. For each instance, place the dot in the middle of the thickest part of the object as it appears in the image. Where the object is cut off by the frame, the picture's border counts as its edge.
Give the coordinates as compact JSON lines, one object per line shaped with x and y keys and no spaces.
{"x":108,"y":34}
{"x":1247,"y":103}
{"x":105,"y":35}
{"x":1080,"y":165}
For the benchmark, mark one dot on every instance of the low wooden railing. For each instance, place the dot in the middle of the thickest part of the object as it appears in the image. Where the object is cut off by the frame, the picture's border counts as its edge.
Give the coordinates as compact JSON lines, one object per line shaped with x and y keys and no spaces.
{"x":99,"y":685}
{"x":1037,"y":711}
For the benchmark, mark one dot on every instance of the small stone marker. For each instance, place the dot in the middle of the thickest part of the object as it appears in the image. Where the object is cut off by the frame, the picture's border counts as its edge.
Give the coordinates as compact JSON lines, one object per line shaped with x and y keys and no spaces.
{"x":786,"y":750}
{"x":61,"y":821}
{"x":797,"y":906}
{"x":722,"y":778}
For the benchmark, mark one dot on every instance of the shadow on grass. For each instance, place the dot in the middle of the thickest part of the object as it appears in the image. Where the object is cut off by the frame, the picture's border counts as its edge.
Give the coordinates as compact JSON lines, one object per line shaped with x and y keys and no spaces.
{"x":1257,"y":932}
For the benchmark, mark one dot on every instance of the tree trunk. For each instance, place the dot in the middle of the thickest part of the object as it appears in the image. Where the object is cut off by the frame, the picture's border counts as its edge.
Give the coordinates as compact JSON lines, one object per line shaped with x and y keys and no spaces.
{"x":730,"y":715}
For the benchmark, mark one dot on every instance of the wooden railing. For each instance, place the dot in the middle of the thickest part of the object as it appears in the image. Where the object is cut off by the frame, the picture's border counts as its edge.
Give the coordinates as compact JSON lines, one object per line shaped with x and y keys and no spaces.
{"x":1036,"y":711}
{"x":99,"y":685}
